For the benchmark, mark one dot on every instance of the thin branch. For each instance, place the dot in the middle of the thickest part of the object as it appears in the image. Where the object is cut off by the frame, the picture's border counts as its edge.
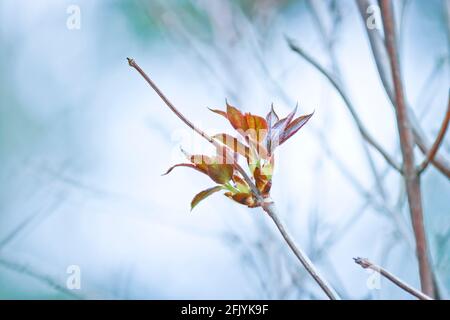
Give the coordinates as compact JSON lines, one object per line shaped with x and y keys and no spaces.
{"x":382,"y":62}
{"x":219,"y":146}
{"x":133,"y":64}
{"x":269,"y":207}
{"x":365,"y":263}
{"x":440,"y":137}
{"x":366,"y":135}
{"x":302,"y":257}
{"x":411,"y":177}
{"x":26,"y":270}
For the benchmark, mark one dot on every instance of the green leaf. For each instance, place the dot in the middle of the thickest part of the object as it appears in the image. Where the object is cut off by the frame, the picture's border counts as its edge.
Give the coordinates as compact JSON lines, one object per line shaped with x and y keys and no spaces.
{"x":220,"y":172}
{"x":203,"y":195}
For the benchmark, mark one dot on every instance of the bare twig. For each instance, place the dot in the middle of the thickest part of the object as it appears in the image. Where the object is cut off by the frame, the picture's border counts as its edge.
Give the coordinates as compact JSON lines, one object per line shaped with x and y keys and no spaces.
{"x":321,"y":17}
{"x":410,"y":174}
{"x":303,"y":258}
{"x":362,"y":129}
{"x":382,"y":62}
{"x":134,"y":65}
{"x":440,"y":137}
{"x":365,"y":263}
{"x":269,"y":207}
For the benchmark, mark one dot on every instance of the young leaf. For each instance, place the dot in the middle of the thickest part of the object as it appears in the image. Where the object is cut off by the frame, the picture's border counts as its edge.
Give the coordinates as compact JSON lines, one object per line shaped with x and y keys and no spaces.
{"x":201,"y":161}
{"x":203,"y":195}
{"x":241,"y":185}
{"x":189,"y":165}
{"x":256,"y":128}
{"x":243,"y":198}
{"x":263,"y":183}
{"x":283,"y":123}
{"x":272,"y":117}
{"x":220,"y":172}
{"x":294,"y":126}
{"x":236,"y":118}
{"x":222,"y":113}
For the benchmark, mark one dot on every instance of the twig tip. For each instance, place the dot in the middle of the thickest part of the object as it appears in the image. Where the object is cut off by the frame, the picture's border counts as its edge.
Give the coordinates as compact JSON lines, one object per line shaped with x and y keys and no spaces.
{"x":130,"y":62}
{"x":363,"y":262}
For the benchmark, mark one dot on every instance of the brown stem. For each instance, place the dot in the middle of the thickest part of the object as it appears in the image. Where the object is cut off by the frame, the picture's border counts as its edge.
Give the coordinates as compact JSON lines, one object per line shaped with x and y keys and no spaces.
{"x":365,"y":263}
{"x":133,"y":64}
{"x":410,"y":175}
{"x":268,"y":207}
{"x":440,"y":137}
{"x":382,"y":62}
{"x":302,"y":257}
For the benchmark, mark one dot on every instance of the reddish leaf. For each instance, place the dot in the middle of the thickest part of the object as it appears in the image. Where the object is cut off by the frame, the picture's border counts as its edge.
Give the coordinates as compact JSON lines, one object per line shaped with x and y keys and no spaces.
{"x":263,"y":182}
{"x":277,"y":130}
{"x":256,"y":127}
{"x":283,"y":123}
{"x":241,"y":185}
{"x":201,"y":161}
{"x":219,"y":172}
{"x":236,"y":118}
{"x":189,"y":165}
{"x":243,"y":198}
{"x":222,"y":113}
{"x":272,"y":117}
{"x":294,"y":126}
{"x":203,"y":195}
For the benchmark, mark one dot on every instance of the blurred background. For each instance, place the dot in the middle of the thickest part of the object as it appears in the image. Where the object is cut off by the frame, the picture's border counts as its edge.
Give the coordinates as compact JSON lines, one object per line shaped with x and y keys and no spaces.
{"x":84,"y":141}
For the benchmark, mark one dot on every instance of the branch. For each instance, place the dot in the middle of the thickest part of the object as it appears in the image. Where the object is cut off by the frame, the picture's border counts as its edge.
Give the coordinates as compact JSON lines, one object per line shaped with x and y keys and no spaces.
{"x":268,"y":207}
{"x":410,"y":175}
{"x":133,"y":64}
{"x":440,"y":137}
{"x":365,"y":263}
{"x":382,"y":62}
{"x":303,"y":258}
{"x":247,"y":179}
{"x":366,"y":135}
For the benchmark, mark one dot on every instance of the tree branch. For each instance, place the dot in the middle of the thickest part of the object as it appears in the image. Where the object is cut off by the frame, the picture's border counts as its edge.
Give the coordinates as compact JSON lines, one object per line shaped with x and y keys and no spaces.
{"x":440,"y":137}
{"x":382,"y":62}
{"x":269,"y":207}
{"x":366,"y":135}
{"x":410,"y":174}
{"x":133,"y":64}
{"x":365,"y":263}
{"x":302,"y":257}
{"x":219,"y":146}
